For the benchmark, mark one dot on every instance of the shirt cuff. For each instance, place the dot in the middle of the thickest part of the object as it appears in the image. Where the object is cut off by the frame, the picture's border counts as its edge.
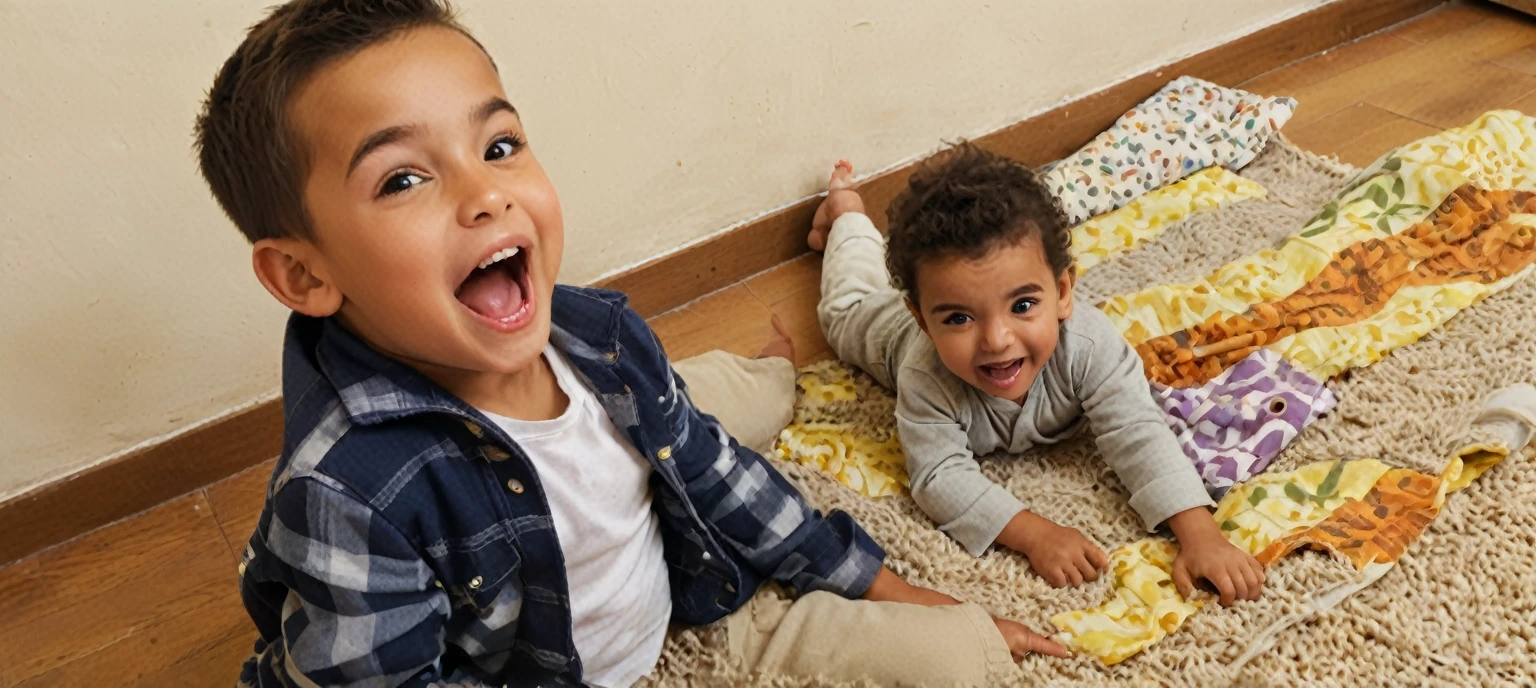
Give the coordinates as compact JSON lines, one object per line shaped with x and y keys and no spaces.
{"x":1158,"y":500}
{"x":978,"y":527}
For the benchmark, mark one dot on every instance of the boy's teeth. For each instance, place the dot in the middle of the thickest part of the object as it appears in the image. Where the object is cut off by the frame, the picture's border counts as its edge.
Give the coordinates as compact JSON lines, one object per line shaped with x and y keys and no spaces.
{"x":499,"y":256}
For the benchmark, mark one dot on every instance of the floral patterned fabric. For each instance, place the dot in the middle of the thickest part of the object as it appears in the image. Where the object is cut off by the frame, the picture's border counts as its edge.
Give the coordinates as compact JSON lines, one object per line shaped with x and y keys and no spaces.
{"x":1187,"y":126}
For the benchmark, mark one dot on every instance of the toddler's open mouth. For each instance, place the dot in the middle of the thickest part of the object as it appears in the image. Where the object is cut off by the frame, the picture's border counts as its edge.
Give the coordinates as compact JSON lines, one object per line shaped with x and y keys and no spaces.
{"x":1003,"y":373}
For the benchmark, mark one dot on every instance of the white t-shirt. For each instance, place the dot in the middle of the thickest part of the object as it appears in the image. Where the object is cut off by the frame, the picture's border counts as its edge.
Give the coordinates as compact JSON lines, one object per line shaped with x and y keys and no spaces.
{"x":599,"y":493}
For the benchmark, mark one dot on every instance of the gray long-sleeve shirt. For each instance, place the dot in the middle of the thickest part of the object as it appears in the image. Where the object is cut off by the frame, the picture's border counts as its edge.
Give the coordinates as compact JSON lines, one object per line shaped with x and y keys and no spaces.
{"x":945,"y":423}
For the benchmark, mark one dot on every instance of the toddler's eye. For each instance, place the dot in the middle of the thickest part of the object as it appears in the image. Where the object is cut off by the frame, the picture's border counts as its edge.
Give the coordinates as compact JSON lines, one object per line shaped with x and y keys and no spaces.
{"x":503,"y":147}
{"x":957,"y":319}
{"x":401,"y":181}
{"x":1022,"y":306}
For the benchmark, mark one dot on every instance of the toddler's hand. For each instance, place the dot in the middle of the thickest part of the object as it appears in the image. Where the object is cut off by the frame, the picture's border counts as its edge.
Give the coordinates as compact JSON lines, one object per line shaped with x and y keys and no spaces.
{"x":841,"y":198}
{"x":1235,"y":573}
{"x":1022,"y":641}
{"x":1061,"y":555}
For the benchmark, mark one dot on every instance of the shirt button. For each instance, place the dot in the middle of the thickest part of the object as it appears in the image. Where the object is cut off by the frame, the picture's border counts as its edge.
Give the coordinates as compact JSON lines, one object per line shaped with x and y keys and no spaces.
{"x":707,"y":557}
{"x":664,"y":453}
{"x":730,"y":588}
{"x":495,"y":453}
{"x":473,"y":429}
{"x":661,"y":399}
{"x":515,"y":485}
{"x":474,"y":583}
{"x":611,"y":356}
{"x":242,"y":568}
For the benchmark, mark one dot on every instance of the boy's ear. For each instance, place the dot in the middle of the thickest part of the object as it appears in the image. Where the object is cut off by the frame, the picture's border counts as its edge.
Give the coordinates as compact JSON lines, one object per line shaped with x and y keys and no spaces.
{"x":1064,"y":292}
{"x":292,"y":271}
{"x":916,"y":314}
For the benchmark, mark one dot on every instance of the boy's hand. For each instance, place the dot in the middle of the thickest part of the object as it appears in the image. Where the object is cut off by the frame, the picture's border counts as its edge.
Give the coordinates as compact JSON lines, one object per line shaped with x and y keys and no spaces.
{"x":889,"y":587}
{"x":1061,"y":555}
{"x":1022,"y":641}
{"x":841,"y":198}
{"x":1205,"y":553}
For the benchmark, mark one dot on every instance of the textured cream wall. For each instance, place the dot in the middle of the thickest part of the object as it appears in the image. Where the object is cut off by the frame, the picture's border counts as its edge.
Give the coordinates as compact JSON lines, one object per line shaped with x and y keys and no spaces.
{"x":129,"y":310}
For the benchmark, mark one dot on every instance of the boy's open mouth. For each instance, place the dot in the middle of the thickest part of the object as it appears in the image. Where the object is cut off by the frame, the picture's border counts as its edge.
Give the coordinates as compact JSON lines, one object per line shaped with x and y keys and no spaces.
{"x":1002,"y":373}
{"x":498,"y":289}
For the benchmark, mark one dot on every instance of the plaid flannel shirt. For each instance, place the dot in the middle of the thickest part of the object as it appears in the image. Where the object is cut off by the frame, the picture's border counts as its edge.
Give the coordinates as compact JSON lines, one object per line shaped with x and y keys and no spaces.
{"x":406,"y":540}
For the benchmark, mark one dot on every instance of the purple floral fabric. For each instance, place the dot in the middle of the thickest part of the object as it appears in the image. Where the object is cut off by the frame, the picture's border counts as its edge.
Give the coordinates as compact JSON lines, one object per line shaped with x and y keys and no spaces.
{"x":1234,"y":425}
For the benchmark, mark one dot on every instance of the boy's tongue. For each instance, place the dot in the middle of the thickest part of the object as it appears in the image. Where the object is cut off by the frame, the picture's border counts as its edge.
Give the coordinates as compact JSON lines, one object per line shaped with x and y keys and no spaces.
{"x":492,"y":293}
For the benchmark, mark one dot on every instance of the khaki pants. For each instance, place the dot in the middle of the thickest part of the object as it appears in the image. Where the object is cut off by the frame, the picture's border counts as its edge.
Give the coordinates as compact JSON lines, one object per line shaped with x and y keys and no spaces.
{"x":889,"y":643}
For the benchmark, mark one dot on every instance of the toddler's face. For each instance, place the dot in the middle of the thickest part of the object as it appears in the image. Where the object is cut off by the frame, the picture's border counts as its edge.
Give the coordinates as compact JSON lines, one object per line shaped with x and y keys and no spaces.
{"x":431,"y":215}
{"x":995,"y":319}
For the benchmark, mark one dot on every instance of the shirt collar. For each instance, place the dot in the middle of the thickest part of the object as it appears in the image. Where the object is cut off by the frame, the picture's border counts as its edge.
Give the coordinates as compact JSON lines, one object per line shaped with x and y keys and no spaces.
{"x":375,"y":388}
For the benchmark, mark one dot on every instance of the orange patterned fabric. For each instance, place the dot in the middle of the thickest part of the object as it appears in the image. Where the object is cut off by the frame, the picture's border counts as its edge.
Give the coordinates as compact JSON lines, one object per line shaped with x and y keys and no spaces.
{"x":1375,"y":529}
{"x":1470,"y":237}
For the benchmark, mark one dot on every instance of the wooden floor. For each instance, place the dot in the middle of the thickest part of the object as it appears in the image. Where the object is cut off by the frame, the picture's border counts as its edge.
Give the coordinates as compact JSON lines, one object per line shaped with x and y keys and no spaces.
{"x":152,"y":601}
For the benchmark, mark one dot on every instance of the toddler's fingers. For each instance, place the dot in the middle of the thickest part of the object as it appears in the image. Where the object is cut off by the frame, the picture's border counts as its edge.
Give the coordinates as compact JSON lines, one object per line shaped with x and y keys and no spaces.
{"x":1096,"y":556}
{"x":1089,"y":571}
{"x":1181,"y":580}
{"x":1257,"y":568}
{"x":1255,"y":583}
{"x":1057,"y":578}
{"x":1224,"y":586}
{"x":1073,"y":575}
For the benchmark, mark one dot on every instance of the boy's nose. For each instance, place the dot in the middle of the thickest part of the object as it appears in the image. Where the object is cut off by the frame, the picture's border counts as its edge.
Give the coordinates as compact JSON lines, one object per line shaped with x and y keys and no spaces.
{"x":484,"y":201}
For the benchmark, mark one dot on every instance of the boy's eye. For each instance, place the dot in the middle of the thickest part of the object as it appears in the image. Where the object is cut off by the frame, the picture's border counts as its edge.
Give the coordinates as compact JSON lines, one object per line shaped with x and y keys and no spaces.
{"x":503,"y":148}
{"x":400,"y":182}
{"x":957,"y":319}
{"x":1022,"y":306}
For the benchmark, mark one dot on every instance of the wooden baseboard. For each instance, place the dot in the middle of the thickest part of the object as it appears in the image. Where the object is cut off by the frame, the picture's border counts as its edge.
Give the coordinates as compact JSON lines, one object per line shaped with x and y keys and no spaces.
{"x":60,"y":511}
{"x":65,"y":509}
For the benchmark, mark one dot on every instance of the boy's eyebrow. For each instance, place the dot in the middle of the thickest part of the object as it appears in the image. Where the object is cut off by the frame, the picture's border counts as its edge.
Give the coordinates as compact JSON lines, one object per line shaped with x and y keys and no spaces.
{"x":490,"y":107}
{"x":384,"y":137}
{"x":1030,"y":288}
{"x":379,"y":139}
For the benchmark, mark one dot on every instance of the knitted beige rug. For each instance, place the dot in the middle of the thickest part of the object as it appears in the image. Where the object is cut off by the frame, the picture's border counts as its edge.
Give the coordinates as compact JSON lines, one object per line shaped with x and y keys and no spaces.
{"x":1459,"y":608}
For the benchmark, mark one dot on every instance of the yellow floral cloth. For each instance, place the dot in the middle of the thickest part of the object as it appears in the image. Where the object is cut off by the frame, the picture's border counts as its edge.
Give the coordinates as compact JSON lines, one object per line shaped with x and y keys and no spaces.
{"x":1143,"y":608}
{"x":1364,"y":511}
{"x":830,"y":430}
{"x":1103,"y":237}
{"x":1321,"y":504}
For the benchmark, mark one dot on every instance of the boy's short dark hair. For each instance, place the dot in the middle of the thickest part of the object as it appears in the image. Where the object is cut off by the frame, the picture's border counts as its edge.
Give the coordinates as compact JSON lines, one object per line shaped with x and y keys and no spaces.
{"x":249,"y":153}
{"x":965,"y":202}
